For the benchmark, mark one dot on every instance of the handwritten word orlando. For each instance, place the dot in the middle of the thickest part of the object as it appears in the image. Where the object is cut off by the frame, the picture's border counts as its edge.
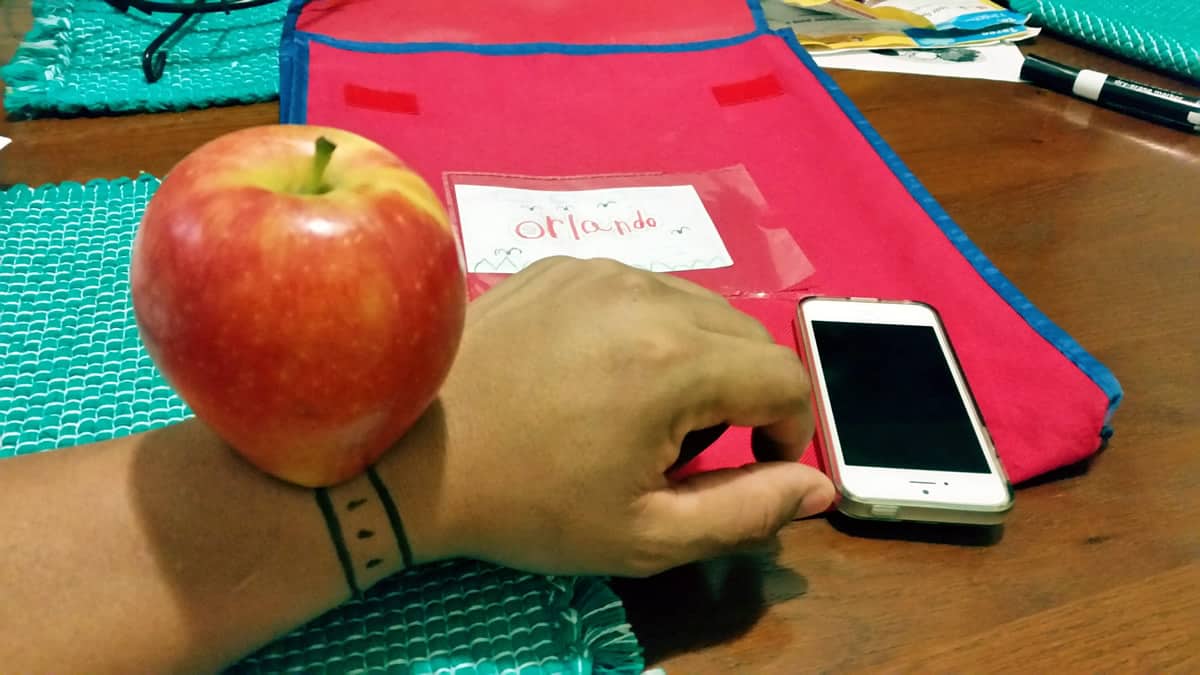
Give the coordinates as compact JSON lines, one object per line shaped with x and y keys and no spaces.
{"x":578,"y":230}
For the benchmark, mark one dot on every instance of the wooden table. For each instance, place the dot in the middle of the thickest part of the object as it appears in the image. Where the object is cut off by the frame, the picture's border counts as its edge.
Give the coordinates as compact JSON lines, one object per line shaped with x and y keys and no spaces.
{"x":1096,"y":217}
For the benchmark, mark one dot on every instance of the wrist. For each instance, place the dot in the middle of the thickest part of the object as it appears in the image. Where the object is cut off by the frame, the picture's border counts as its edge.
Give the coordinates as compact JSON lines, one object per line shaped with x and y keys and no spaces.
{"x":414,"y":474}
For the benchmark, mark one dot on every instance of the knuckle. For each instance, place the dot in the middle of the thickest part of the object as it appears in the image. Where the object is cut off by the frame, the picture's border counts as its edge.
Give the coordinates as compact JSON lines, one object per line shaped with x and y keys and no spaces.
{"x":544,"y":265}
{"x":629,"y":282}
{"x":558,"y":259}
{"x":794,"y":373}
{"x":549,"y":262}
{"x":709,"y":294}
{"x":650,"y":552}
{"x":659,"y":348}
{"x":758,"y":329}
{"x":643,"y":566}
{"x":603,"y":266}
{"x":756,"y":524}
{"x":544,"y":268}
{"x":762,"y":525}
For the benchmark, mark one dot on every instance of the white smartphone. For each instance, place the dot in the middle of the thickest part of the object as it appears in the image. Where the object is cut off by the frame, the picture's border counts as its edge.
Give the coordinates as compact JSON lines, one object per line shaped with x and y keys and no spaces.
{"x":902,"y":436}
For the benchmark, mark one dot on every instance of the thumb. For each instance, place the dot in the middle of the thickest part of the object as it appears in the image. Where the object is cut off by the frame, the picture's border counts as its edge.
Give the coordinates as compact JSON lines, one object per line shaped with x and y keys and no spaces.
{"x":718,"y":512}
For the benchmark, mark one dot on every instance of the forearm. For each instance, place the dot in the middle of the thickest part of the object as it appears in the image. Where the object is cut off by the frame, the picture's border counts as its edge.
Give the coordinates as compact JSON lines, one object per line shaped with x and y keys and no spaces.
{"x":166,"y":551}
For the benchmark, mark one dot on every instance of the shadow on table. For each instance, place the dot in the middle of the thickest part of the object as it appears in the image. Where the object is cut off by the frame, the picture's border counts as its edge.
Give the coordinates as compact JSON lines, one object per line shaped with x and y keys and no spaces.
{"x":928,"y":533}
{"x":1063,"y":473}
{"x":704,"y":604}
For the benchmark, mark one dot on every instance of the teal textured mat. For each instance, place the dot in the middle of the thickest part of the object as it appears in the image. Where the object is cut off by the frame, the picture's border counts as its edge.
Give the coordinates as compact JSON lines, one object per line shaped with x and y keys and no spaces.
{"x":72,"y":370}
{"x":1161,"y":33}
{"x":83,"y":55}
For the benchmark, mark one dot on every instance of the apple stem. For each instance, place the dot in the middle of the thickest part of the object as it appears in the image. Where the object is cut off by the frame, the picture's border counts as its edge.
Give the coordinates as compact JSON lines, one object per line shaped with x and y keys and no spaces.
{"x":316,"y":183}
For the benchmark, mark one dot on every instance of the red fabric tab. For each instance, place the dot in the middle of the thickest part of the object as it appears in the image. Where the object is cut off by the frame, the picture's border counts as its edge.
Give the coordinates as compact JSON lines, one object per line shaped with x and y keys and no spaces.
{"x":737,"y":93}
{"x":357,"y":96}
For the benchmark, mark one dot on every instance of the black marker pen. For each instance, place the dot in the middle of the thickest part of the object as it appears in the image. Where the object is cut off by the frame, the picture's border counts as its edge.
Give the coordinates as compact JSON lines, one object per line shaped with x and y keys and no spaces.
{"x":1164,"y":107}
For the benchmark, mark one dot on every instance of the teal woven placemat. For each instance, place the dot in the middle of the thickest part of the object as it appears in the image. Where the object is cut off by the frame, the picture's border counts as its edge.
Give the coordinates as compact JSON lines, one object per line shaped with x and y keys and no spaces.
{"x":72,"y":371}
{"x":463,"y":618}
{"x":83,"y":55}
{"x":1162,"y":33}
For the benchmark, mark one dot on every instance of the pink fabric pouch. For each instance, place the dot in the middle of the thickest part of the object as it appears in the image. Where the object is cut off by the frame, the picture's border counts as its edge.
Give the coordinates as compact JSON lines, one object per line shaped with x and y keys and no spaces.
{"x":806,"y":195}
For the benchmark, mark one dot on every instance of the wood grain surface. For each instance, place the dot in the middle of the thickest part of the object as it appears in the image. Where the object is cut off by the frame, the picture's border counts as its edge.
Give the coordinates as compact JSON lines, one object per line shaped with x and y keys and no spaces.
{"x":1095,"y":216}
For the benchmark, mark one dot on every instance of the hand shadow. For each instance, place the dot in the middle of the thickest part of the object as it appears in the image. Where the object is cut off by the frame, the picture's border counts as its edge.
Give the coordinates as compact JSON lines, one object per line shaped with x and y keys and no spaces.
{"x":706,"y":603}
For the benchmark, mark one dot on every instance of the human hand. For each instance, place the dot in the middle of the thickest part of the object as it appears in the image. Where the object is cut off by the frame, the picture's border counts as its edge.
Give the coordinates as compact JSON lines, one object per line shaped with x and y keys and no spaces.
{"x":574,"y":385}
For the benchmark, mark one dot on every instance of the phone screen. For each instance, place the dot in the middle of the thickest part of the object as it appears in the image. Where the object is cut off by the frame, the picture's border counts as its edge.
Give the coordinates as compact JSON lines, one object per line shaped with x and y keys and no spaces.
{"x":893,"y":398}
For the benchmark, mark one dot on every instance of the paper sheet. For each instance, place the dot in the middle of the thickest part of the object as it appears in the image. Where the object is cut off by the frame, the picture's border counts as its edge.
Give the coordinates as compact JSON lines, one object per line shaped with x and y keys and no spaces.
{"x":661,"y":229}
{"x":931,"y":14}
{"x":849,"y":25}
{"x":4,"y":141}
{"x":990,"y":62}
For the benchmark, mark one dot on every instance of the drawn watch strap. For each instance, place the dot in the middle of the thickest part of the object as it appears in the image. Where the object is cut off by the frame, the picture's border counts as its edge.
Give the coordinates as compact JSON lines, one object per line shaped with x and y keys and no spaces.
{"x":356,"y":515}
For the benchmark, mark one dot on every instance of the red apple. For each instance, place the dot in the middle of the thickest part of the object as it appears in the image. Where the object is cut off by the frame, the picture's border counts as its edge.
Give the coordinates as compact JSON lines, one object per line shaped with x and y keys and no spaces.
{"x":306,"y":301}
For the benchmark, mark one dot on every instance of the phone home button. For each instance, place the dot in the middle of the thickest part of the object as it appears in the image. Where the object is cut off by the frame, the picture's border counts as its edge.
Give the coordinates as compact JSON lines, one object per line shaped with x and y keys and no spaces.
{"x":884,"y":510}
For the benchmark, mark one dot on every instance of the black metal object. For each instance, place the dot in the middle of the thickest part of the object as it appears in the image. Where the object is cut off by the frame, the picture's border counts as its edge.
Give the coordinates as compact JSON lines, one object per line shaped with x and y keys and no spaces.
{"x":154,"y":59}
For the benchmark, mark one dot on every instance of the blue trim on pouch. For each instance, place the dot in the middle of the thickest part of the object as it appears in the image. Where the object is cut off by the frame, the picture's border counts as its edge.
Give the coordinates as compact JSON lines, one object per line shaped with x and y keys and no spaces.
{"x":523,"y":48}
{"x":1056,"y":336}
{"x":293,"y":36}
{"x":760,"y":18}
{"x":293,"y":68}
